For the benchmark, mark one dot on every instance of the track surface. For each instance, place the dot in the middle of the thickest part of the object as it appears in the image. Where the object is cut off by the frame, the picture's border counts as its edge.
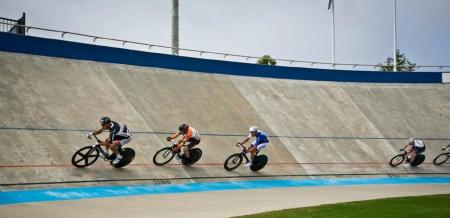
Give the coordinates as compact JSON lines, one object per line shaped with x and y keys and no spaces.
{"x":217,"y":203}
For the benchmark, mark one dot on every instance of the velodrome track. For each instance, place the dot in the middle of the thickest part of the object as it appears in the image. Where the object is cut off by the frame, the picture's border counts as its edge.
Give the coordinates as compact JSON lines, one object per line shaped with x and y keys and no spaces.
{"x":317,"y":129}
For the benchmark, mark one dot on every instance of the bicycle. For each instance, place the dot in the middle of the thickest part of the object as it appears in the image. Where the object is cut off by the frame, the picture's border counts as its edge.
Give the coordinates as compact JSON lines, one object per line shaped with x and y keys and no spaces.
{"x":399,"y":158}
{"x":87,"y":155}
{"x":166,"y":154}
{"x":235,"y":160}
{"x":442,"y":158}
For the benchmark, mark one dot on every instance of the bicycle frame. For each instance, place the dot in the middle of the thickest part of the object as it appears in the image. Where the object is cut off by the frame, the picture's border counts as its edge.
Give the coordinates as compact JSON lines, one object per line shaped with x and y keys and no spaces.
{"x":245,"y":151}
{"x":99,"y":147}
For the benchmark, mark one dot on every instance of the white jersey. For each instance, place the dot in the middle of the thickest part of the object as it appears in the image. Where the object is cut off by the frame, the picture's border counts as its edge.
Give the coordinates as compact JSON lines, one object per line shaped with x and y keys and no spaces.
{"x":419,"y":143}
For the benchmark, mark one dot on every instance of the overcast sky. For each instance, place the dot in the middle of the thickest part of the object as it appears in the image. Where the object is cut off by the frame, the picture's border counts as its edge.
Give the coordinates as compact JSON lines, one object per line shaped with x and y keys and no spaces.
{"x":286,"y":29}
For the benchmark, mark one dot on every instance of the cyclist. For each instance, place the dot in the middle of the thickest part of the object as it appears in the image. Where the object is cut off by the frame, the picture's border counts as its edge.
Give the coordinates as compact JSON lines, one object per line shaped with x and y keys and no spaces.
{"x":261,"y":141}
{"x":119,"y":135}
{"x":415,"y":147}
{"x":189,"y":134}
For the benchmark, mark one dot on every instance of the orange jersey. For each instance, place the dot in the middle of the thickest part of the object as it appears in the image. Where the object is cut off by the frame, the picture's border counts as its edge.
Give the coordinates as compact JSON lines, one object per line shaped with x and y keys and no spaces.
{"x":191,"y":133}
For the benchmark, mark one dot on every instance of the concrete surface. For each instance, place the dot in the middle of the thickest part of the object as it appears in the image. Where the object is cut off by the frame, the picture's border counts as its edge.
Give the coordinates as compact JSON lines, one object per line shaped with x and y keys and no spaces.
{"x":215,"y":204}
{"x":69,"y":95}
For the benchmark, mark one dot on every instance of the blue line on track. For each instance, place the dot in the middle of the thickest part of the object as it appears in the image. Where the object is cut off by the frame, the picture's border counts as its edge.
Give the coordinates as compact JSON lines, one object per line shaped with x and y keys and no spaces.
{"x":41,"y":195}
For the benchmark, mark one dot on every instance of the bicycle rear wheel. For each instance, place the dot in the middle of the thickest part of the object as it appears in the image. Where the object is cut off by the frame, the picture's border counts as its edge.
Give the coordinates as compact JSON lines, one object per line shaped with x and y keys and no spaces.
{"x":397,"y":160}
{"x":233,"y":162}
{"x":259,"y":162}
{"x":85,"y":156}
{"x":163,"y":156}
{"x":440,"y":159}
{"x":194,"y":155}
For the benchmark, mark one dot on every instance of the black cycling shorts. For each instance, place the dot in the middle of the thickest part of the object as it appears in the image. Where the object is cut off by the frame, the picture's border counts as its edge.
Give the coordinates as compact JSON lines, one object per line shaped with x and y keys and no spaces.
{"x":193,"y":142}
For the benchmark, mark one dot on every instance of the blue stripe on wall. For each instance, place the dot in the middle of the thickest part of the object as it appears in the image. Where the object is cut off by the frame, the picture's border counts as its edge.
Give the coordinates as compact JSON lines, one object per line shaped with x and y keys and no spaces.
{"x":40,"y":195}
{"x":65,"y":49}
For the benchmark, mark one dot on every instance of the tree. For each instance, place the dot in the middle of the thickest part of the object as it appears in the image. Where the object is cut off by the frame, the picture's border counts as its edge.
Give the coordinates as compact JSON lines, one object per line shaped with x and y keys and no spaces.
{"x":403,"y":64}
{"x":267,"y":60}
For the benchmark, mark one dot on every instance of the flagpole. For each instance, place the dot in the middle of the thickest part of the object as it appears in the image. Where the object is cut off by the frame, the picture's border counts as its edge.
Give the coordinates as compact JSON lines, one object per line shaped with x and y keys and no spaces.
{"x":333,"y":51}
{"x":395,"y":35}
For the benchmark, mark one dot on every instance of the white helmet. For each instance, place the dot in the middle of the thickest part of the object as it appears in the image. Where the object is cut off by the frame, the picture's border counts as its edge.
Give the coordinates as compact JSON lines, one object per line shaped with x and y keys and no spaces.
{"x":253,"y":129}
{"x":411,"y":140}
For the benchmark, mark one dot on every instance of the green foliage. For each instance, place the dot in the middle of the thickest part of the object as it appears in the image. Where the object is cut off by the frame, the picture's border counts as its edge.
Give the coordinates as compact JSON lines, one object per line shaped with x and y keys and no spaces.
{"x":267,"y":60}
{"x":403,"y":64}
{"x":435,"y":206}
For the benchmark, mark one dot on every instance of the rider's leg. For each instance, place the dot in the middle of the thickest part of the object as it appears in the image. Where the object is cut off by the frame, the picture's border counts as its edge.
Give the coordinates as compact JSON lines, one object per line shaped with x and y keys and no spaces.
{"x":252,"y":151}
{"x":107,"y":145}
{"x":192,"y":142}
{"x":413,"y":155}
{"x":185,"y":151}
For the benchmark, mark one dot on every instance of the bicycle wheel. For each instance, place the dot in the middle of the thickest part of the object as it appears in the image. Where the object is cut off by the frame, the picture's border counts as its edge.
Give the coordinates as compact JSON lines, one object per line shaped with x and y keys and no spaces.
{"x":233,"y":161}
{"x":128,"y":155}
{"x":397,"y":160}
{"x":194,"y":155}
{"x":85,"y":157}
{"x":259,"y":162}
{"x":420,"y":158}
{"x":440,"y":159}
{"x":163,"y":156}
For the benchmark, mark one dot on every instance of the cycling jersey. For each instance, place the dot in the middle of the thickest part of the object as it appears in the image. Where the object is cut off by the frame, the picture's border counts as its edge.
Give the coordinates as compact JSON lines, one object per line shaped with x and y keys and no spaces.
{"x":261,"y":138}
{"x":419,"y":146}
{"x":419,"y":143}
{"x":118,"y":131}
{"x":191,"y":133}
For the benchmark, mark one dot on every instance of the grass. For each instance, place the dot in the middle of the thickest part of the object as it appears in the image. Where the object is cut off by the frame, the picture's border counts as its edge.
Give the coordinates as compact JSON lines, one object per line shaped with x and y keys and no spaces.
{"x":431,"y":206}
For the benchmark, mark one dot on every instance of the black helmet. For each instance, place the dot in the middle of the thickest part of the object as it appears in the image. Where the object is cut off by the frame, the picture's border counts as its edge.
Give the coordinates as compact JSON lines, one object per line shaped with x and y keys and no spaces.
{"x":104,"y":120}
{"x":183,"y":127}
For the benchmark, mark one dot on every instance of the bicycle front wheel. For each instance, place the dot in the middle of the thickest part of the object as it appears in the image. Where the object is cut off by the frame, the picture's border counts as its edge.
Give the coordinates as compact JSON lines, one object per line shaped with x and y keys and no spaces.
{"x":233,"y":162}
{"x":85,"y":157}
{"x":397,"y":160}
{"x":440,"y":159}
{"x":163,"y":156}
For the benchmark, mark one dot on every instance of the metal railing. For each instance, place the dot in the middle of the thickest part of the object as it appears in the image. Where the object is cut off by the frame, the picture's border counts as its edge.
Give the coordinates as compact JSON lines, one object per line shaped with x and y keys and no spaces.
{"x":149,"y":46}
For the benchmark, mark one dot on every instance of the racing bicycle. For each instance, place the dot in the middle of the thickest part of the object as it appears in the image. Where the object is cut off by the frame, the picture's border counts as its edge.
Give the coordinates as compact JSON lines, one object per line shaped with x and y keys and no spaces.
{"x":166,"y":154}
{"x":235,"y":160}
{"x":87,"y":155}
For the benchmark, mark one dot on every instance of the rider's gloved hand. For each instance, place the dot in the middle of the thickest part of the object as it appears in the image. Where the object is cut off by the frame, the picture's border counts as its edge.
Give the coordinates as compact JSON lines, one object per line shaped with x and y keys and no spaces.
{"x":238,"y":144}
{"x":89,"y":135}
{"x":169,"y":139}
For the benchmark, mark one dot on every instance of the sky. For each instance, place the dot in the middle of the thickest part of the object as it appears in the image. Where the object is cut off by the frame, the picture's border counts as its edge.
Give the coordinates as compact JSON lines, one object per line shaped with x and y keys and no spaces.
{"x":284,"y":29}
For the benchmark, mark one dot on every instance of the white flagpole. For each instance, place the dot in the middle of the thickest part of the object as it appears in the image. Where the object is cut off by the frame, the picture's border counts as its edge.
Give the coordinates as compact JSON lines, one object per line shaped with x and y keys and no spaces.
{"x":333,"y":51}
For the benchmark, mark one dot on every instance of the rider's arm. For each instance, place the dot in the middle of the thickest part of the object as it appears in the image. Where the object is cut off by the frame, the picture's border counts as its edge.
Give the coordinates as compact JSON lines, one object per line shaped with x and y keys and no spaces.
{"x":408,"y":148}
{"x":98,"y":131}
{"x":448,"y":146}
{"x":174,"y":136}
{"x":246,"y":140}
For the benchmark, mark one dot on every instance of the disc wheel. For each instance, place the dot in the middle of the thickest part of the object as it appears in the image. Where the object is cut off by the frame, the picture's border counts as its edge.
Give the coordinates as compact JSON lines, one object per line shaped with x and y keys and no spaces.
{"x":233,"y":162}
{"x":128,"y":155}
{"x":194,"y":155}
{"x":397,"y":160}
{"x":418,"y":160}
{"x":440,"y":159}
{"x":259,"y":162}
{"x":85,"y":157}
{"x":163,"y":156}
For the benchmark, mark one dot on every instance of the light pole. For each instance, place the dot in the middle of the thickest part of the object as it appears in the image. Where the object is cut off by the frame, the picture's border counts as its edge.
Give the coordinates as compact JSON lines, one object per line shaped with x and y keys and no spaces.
{"x":333,"y":52}
{"x":395,"y":35}
{"x":175,"y":27}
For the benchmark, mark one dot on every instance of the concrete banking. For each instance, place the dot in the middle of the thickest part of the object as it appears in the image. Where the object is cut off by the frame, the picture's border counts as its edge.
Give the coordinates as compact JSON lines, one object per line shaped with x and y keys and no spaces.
{"x":38,"y":93}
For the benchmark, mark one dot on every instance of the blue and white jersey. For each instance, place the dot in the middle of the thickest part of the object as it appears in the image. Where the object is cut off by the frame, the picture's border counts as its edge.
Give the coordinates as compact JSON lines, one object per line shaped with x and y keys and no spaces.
{"x":261,"y":137}
{"x":419,"y":144}
{"x":118,"y":131}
